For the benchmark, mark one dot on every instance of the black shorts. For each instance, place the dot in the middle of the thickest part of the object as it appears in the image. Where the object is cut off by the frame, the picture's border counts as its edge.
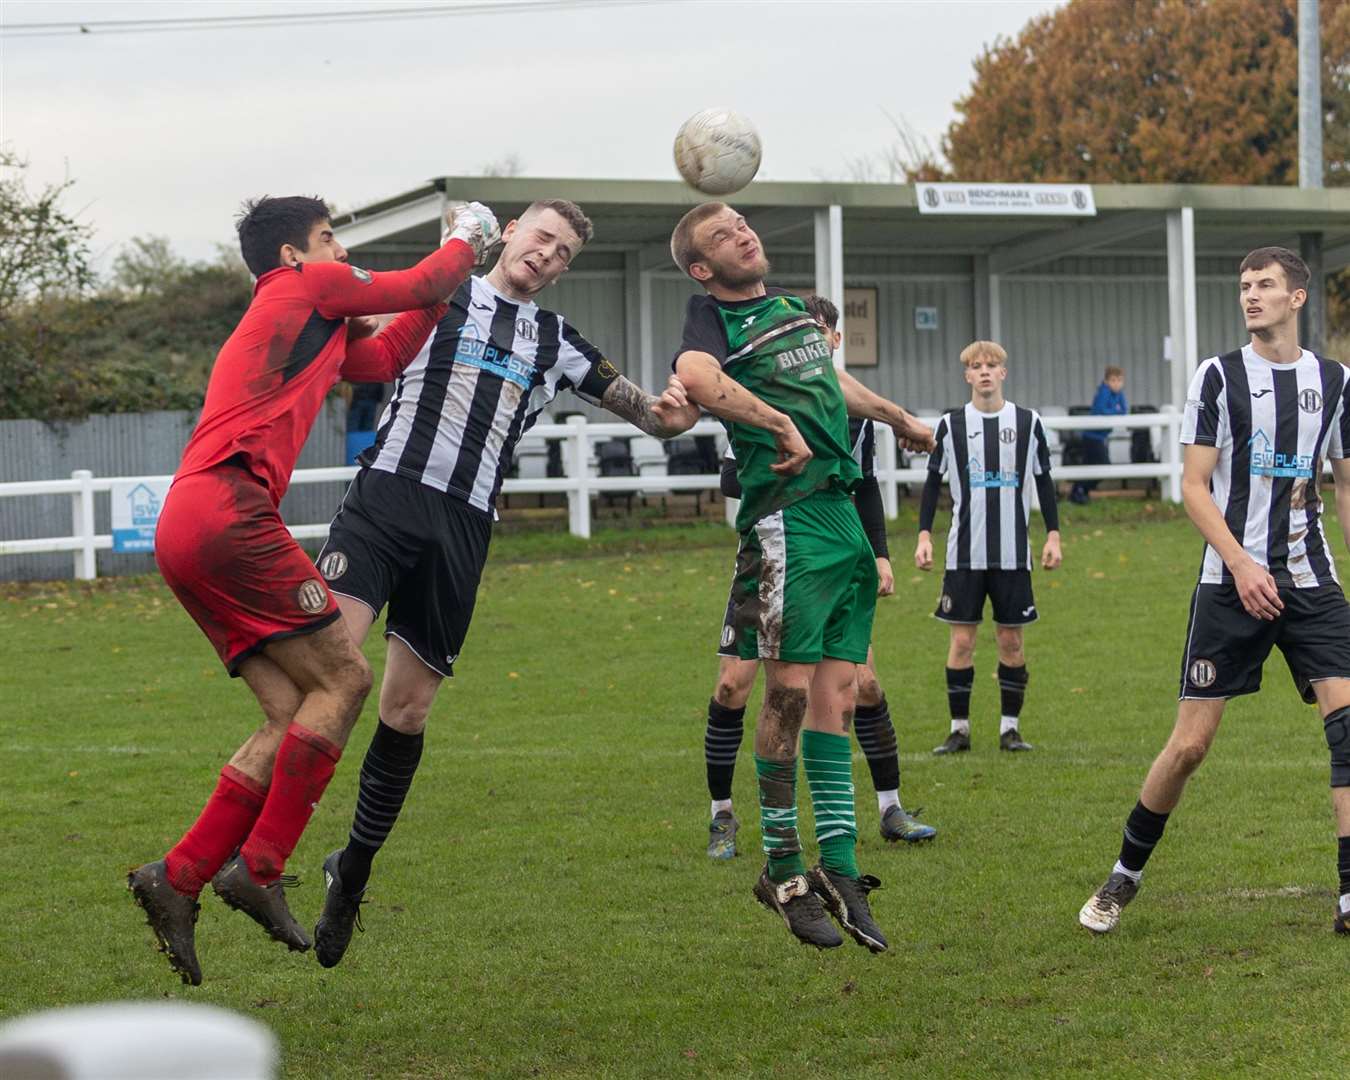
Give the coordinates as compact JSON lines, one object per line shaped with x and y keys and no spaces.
{"x":397,"y":542}
{"x":1226,"y":648}
{"x":726,"y":644}
{"x":963,"y":593}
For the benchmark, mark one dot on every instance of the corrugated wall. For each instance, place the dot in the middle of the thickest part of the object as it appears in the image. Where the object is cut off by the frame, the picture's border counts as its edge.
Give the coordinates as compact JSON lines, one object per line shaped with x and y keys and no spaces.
{"x":147,"y":444}
{"x":1063,"y":325}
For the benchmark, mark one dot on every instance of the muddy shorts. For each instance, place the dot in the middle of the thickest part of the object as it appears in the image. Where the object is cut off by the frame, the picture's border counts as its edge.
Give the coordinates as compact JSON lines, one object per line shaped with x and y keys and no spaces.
{"x":806,"y":584}
{"x":226,"y":554}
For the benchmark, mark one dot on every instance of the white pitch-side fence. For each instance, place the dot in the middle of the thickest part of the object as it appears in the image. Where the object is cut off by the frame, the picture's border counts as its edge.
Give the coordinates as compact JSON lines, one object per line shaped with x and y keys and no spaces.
{"x":580,"y":482}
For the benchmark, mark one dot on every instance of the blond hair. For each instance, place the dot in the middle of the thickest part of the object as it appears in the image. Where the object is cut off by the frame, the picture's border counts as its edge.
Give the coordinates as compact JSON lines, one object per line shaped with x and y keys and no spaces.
{"x":979,"y":350}
{"x":682,"y":248}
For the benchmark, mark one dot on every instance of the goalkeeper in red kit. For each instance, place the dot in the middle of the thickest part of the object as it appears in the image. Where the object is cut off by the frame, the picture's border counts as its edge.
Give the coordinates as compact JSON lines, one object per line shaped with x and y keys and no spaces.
{"x":226,"y":554}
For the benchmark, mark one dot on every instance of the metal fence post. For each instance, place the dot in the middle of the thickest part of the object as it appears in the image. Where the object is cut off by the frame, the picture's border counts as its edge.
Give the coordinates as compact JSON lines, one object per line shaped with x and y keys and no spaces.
{"x":886,"y":452}
{"x":82,"y":525}
{"x":1172,"y":452}
{"x":579,"y":495}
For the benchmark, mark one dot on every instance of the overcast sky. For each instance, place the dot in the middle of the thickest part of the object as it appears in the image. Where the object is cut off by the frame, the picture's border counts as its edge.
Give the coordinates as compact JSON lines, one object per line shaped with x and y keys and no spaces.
{"x":166,"y":132}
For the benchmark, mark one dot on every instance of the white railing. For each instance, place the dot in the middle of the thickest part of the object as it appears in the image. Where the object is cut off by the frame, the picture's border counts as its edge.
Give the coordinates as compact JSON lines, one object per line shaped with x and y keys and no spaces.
{"x":580,"y":481}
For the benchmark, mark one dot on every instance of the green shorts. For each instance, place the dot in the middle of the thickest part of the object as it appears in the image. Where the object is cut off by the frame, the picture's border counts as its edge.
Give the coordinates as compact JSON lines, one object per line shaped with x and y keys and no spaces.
{"x":806,"y":584}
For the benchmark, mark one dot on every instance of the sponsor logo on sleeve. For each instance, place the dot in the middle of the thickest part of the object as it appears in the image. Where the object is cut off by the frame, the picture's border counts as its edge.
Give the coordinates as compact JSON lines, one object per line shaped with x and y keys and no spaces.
{"x":606,"y":370}
{"x":363,"y":276}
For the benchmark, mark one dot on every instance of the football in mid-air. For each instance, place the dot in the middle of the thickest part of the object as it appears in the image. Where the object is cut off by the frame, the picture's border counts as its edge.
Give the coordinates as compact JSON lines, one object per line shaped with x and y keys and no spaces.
{"x":717,"y":151}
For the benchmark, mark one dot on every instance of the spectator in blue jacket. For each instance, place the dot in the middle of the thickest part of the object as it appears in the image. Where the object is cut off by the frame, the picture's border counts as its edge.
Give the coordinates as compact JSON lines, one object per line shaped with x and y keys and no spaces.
{"x":1110,"y":401}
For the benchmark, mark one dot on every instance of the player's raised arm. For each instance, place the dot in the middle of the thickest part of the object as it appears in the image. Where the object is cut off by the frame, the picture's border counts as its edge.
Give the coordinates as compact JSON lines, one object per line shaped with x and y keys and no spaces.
{"x":665,"y":417}
{"x":860,"y":401}
{"x":709,"y":386}
{"x":382,"y":356}
{"x":340,"y":290}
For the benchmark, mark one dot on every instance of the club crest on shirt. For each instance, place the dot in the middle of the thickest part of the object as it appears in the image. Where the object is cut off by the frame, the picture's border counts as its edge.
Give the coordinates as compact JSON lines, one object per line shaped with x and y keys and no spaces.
{"x":363,"y":276}
{"x":1202,"y":673}
{"x":1310,"y":401}
{"x":333,"y":565}
{"x":311,"y":596}
{"x":1007,"y":435}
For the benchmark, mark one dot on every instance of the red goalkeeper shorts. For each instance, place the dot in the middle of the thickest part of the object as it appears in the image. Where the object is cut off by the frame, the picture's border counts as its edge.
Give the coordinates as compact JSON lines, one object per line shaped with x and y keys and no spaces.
{"x":225,"y":552}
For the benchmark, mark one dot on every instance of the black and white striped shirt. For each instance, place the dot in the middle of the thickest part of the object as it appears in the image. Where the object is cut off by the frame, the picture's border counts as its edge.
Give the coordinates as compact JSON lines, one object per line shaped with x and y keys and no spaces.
{"x":1274,"y":425}
{"x":988,"y":458}
{"x":478,"y":384}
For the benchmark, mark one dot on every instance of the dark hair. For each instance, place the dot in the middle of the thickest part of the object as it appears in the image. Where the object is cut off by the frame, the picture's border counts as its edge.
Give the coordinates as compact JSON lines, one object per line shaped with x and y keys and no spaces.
{"x":682,"y":248}
{"x":1296,"y":272}
{"x":265,"y":224}
{"x":822,"y":309}
{"x":570,"y":212}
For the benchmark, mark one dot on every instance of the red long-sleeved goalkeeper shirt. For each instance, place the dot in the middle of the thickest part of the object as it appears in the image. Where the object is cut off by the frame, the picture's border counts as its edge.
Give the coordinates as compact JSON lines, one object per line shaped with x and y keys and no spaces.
{"x":272,"y":374}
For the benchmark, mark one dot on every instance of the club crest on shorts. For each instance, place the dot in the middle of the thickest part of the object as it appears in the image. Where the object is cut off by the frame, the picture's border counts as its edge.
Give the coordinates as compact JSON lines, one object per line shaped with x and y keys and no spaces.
{"x":312,"y":596}
{"x":333,"y":565}
{"x":1202,"y":673}
{"x":946,"y":604}
{"x":728,"y":635}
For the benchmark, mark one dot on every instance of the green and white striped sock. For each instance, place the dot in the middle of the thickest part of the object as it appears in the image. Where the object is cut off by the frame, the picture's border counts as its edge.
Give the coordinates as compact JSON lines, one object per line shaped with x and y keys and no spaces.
{"x":778,"y":817}
{"x":829,"y":773}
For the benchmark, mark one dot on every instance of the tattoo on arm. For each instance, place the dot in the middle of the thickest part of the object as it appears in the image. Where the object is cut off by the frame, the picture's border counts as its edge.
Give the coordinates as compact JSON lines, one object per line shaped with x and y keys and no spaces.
{"x":632,"y":403}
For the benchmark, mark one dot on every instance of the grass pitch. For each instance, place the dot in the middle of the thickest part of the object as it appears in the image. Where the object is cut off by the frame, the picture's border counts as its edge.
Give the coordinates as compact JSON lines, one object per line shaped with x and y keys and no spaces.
{"x":545,"y":908}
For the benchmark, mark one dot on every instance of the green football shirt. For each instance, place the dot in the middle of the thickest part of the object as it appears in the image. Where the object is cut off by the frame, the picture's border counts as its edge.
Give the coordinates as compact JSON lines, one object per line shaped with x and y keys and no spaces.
{"x":773,"y":347}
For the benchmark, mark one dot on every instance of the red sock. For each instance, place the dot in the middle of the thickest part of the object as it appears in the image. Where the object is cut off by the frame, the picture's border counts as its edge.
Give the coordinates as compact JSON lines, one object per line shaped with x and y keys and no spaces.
{"x":224,"y":822}
{"x":304,"y":765}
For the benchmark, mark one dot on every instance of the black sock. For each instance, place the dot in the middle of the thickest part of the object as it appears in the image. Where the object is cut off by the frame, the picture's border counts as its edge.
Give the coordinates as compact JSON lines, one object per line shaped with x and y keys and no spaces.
{"x":721,"y":744}
{"x":386,"y":776}
{"x":876,"y":736}
{"x":959,"y":684}
{"x":1343,"y":862}
{"x":1012,"y":685}
{"x":1143,"y":830}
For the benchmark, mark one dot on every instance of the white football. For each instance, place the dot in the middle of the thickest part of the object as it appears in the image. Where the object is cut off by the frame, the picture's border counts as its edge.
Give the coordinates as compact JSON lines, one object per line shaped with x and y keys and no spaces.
{"x":717,"y":151}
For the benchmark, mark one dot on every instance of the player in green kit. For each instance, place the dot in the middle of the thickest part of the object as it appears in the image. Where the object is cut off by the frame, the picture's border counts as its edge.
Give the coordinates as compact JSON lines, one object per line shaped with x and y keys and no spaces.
{"x":806,"y":579}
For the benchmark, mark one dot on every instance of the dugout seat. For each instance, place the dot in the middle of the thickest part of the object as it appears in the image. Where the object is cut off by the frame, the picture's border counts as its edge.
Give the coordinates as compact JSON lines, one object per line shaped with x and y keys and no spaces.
{"x":686,"y":457}
{"x":1141,"y":448}
{"x":615,"y":458}
{"x":1072,"y":441}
